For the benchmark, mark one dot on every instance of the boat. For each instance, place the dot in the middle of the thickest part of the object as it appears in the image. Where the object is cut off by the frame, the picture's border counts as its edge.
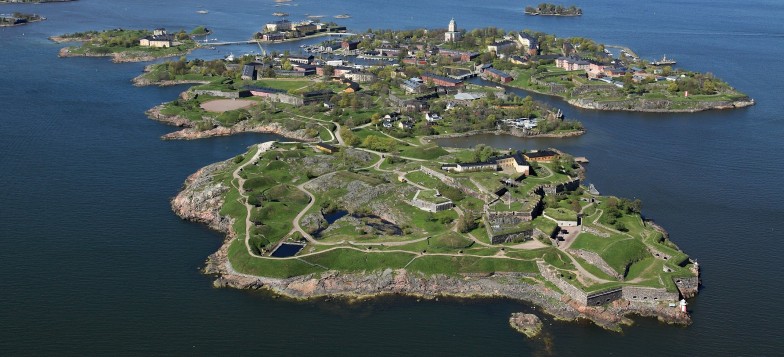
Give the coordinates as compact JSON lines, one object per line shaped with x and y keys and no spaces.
{"x":280,"y":14}
{"x":664,"y":61}
{"x":342,"y":16}
{"x":315,"y":16}
{"x":202,"y":12}
{"x":230,"y":57}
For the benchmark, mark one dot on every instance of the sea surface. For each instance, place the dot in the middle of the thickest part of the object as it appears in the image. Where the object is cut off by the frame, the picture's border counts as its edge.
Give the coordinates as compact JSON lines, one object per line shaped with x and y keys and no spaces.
{"x":93,"y":261}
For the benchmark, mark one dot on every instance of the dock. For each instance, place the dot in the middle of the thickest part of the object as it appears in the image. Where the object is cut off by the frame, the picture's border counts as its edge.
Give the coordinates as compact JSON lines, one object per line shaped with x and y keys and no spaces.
{"x":625,"y":49}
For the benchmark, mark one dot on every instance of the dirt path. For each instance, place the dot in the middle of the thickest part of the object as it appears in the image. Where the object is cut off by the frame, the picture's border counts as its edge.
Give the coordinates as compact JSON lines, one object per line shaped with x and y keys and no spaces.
{"x":260,"y":148}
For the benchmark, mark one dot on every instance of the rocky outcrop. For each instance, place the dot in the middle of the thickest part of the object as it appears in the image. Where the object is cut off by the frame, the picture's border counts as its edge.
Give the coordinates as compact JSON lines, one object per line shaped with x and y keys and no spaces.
{"x":119,"y":57}
{"x":658,"y":105}
{"x":202,"y":198}
{"x":189,"y":132}
{"x":527,"y":324}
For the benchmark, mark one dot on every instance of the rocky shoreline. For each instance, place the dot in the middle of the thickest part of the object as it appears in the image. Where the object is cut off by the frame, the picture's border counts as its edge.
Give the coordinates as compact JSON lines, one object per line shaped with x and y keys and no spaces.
{"x":141,"y":81}
{"x":514,"y":132}
{"x":189,"y":132}
{"x":201,"y":199}
{"x":657,"y":106}
{"x":120,"y":57}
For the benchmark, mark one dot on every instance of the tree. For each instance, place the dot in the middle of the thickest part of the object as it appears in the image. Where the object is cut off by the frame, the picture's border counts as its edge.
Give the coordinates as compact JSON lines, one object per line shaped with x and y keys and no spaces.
{"x":467,"y":222}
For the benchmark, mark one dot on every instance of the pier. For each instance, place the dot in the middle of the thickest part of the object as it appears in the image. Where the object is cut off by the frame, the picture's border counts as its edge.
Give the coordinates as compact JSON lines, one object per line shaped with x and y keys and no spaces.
{"x":249,"y":42}
{"x":625,"y":49}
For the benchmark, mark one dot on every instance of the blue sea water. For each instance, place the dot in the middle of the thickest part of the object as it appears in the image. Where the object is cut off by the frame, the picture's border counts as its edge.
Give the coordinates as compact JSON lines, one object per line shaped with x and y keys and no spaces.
{"x":92,"y":261}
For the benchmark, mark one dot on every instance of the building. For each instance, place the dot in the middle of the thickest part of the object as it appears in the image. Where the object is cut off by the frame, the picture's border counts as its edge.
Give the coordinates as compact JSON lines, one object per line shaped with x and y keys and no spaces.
{"x":514,"y":161}
{"x":432,"y":202}
{"x":273,"y":36}
{"x":531,"y":43}
{"x":501,"y":45}
{"x":412,"y":85}
{"x":360,"y":77}
{"x":159,"y":38}
{"x":318,"y":96}
{"x":455,"y":55}
{"x":541,"y":155}
{"x":282,"y":25}
{"x":452,"y":35}
{"x":249,"y":71}
{"x":349,"y":45}
{"x":572,"y":64}
{"x":301,"y":59}
{"x":441,"y":80}
{"x":432,"y":117}
{"x":498,"y":75}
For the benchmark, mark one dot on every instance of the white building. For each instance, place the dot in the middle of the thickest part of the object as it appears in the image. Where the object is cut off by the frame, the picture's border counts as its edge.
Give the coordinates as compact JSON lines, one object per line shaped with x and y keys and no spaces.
{"x":452,"y":35}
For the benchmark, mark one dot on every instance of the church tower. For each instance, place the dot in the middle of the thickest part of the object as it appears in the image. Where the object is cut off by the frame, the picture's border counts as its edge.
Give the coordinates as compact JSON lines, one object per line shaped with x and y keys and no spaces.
{"x":452,"y":34}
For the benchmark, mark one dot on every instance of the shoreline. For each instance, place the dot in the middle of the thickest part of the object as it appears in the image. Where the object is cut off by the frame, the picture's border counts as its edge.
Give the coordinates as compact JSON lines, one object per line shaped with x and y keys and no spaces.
{"x":590,"y":104}
{"x":118,"y":57}
{"x":516,"y":133}
{"x":189,"y":133}
{"x":200,"y":200}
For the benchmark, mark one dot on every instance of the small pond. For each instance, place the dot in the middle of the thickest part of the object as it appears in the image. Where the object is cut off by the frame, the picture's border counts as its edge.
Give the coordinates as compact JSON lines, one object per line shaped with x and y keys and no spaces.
{"x":287,"y":250}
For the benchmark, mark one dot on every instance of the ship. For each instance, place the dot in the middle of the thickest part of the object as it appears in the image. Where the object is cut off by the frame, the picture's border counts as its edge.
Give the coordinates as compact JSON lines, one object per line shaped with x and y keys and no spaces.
{"x":202,"y":12}
{"x":342,"y":16}
{"x":280,"y":14}
{"x":664,"y":61}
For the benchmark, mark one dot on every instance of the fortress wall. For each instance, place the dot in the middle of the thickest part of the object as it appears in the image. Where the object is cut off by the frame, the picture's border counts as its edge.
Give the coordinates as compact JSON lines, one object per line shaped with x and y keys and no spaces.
{"x":643,"y":294}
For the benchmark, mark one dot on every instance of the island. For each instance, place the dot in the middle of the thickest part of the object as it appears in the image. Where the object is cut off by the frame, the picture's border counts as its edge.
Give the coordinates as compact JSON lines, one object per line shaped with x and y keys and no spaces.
{"x":31,"y":1}
{"x":292,"y":96}
{"x":308,"y":220}
{"x":547,"y":9}
{"x":124,"y":45}
{"x":18,"y":19}
{"x":363,"y":202}
{"x":285,"y":30}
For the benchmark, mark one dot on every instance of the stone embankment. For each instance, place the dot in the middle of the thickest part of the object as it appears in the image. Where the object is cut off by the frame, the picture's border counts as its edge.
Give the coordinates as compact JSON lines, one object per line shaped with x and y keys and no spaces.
{"x":189,"y":132}
{"x":515,"y":132}
{"x":658,"y":105}
{"x":201,"y":200}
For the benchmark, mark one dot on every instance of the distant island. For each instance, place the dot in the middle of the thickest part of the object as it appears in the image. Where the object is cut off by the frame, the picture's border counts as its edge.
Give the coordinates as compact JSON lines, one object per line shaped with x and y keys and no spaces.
{"x":31,"y":1}
{"x":130,"y":45}
{"x":547,"y":9}
{"x":18,"y":18}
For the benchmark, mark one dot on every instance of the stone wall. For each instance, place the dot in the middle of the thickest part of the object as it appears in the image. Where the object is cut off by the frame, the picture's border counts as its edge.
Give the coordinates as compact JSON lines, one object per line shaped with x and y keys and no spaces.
{"x":451,"y":182}
{"x":643,"y":294}
{"x":432,"y":206}
{"x":552,"y":276}
{"x":515,"y":237}
{"x":688,"y":287}
{"x":604,"y":297}
{"x":597,"y":261}
{"x":595,"y":232}
{"x":222,"y":94}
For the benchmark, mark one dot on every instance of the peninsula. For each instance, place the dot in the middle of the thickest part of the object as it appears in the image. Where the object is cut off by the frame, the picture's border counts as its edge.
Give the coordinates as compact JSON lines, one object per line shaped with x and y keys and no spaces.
{"x":547,"y":9}
{"x":309,"y":220}
{"x":129,"y":45}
